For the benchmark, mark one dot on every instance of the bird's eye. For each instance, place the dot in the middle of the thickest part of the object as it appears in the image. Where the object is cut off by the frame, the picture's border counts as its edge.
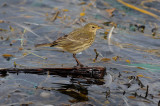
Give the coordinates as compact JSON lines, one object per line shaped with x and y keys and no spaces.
{"x":93,"y":27}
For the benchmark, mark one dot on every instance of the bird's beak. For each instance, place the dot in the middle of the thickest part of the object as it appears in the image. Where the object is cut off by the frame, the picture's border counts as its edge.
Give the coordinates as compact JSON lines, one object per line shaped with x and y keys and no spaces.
{"x":100,"y":27}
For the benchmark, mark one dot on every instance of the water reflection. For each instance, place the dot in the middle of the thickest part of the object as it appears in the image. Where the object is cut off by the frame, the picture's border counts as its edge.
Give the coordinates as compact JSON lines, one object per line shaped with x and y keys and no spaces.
{"x":76,"y":89}
{"x":78,"y":92}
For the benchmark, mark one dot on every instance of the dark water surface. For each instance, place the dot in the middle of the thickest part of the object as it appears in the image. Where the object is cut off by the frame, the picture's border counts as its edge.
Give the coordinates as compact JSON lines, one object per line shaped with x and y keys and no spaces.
{"x":131,"y":56}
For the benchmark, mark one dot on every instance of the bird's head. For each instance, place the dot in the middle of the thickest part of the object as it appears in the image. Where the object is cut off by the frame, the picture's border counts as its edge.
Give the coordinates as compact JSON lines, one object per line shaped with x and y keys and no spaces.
{"x":92,"y":27}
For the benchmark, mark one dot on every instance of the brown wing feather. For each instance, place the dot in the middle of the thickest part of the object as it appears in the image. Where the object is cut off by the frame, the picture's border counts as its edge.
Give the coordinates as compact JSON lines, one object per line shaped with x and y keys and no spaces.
{"x":75,"y":38}
{"x":58,"y":40}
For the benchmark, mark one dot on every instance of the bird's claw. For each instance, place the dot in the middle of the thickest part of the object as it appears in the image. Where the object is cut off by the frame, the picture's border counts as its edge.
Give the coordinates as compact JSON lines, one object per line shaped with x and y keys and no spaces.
{"x":81,"y":65}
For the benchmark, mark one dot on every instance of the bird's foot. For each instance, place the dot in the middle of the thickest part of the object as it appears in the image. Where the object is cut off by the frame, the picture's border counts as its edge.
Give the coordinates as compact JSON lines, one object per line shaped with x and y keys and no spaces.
{"x":79,"y":66}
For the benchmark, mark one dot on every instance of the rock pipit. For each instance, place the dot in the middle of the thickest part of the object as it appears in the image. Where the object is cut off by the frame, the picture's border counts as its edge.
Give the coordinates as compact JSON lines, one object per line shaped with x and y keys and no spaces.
{"x":76,"y":41}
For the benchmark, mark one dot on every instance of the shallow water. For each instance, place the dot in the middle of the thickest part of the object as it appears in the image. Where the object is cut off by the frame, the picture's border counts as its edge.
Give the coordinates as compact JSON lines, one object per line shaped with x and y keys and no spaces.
{"x":29,"y":22}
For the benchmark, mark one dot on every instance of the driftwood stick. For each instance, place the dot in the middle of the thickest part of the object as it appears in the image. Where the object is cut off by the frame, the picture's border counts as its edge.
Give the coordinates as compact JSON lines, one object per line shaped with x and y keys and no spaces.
{"x":92,"y":72}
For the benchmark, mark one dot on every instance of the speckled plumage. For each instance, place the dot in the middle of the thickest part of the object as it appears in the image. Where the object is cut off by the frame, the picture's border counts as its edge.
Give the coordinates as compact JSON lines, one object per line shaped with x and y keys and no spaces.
{"x":77,"y":40}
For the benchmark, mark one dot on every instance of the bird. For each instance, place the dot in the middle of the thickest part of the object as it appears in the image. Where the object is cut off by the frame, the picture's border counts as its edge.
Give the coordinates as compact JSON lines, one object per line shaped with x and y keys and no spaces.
{"x":76,"y":41}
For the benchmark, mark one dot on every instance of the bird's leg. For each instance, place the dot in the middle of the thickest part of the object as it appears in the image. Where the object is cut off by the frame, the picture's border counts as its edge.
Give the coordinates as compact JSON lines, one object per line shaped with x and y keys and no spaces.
{"x":78,"y":63}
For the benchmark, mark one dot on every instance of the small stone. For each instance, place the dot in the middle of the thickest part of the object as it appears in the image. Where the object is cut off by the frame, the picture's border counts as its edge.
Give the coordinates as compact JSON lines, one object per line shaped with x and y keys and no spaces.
{"x":45,"y":94}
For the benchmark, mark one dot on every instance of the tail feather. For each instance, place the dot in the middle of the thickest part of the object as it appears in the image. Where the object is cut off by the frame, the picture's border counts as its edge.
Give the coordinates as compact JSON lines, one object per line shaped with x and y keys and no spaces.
{"x":43,"y":45}
{"x":53,"y":44}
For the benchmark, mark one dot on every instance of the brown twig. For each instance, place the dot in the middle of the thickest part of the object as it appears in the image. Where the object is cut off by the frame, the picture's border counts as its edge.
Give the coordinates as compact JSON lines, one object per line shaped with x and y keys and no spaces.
{"x":97,"y":54}
{"x":92,"y":72}
{"x":55,"y":16}
{"x":147,"y":92}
